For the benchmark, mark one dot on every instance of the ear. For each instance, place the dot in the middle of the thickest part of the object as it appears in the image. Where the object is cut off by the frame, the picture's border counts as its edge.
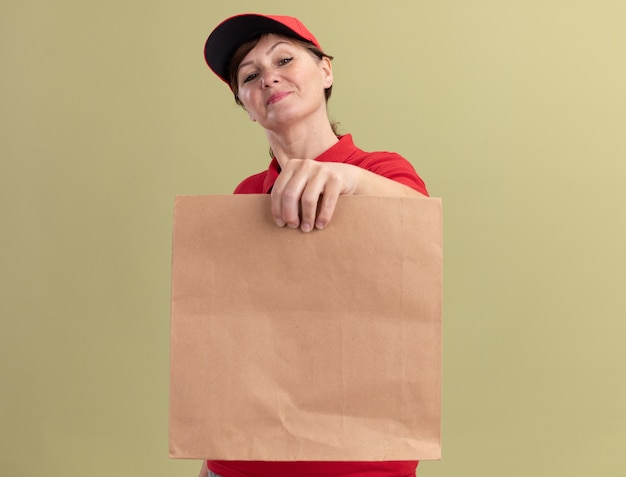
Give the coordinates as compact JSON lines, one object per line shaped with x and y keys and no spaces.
{"x":327,"y":72}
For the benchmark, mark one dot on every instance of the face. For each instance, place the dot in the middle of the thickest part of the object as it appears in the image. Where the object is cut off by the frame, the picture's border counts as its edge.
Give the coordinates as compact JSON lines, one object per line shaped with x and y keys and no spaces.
{"x":281,"y":82}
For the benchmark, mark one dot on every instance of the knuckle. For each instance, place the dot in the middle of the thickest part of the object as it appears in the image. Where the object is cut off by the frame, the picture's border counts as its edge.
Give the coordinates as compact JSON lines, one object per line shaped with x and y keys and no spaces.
{"x":290,"y":195}
{"x":309,"y":199}
{"x":328,"y":202}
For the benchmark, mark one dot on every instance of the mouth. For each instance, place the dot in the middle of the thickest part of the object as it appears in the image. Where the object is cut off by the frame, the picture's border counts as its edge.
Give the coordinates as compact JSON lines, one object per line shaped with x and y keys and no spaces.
{"x":277,"y":97}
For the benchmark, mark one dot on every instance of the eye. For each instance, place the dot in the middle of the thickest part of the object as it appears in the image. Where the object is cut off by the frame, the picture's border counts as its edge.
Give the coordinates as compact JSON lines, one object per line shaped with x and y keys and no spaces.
{"x":284,"y":61}
{"x":250,"y":77}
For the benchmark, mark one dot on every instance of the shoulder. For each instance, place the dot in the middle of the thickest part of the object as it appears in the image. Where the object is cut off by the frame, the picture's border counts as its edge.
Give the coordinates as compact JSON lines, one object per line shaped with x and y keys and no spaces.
{"x":252,"y":184}
{"x":260,"y":183}
{"x":390,"y":165}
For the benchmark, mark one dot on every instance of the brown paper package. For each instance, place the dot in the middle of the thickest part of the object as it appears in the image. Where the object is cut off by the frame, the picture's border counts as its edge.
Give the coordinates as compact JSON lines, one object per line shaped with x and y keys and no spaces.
{"x":321,"y":346}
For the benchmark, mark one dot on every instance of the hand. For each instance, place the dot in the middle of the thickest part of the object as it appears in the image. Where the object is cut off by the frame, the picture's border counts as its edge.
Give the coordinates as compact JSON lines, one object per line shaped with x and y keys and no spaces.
{"x":306,"y":191}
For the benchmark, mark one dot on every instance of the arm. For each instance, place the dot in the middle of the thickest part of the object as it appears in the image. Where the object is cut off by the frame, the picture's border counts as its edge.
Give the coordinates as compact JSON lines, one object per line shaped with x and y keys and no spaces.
{"x":306,"y":192}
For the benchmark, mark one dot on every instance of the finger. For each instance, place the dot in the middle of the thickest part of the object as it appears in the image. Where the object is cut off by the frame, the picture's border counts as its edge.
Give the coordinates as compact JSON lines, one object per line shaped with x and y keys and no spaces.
{"x":327,"y":204}
{"x":286,"y":195}
{"x":316,"y":179}
{"x":309,"y":203}
{"x":276,"y":203}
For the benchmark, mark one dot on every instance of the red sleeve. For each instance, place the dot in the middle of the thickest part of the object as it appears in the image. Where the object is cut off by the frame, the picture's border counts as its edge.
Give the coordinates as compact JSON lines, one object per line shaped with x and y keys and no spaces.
{"x":395,"y":167}
{"x":251,"y":185}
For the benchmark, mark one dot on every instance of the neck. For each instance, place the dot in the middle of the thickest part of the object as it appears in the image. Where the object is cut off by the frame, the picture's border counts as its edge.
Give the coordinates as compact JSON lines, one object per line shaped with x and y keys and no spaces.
{"x":301,"y":142}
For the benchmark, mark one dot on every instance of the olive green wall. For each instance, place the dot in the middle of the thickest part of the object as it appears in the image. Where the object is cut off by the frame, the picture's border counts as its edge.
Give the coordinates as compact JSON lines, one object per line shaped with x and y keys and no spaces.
{"x":513,"y":111}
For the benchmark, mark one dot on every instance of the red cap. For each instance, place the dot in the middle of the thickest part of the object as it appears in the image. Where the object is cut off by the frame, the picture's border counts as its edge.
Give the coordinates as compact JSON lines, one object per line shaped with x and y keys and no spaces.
{"x":235,"y":31}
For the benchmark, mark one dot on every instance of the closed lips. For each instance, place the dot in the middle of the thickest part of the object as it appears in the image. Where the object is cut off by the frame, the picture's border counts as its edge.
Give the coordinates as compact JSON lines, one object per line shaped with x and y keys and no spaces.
{"x":277,"y":97}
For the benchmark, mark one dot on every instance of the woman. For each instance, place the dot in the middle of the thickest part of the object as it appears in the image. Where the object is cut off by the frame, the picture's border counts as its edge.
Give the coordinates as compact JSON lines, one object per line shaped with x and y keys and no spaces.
{"x":280,"y":75}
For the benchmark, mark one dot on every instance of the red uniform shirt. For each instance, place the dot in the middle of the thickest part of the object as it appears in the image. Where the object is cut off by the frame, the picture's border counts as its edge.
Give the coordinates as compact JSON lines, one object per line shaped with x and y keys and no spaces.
{"x":387,"y":164}
{"x":392,"y":166}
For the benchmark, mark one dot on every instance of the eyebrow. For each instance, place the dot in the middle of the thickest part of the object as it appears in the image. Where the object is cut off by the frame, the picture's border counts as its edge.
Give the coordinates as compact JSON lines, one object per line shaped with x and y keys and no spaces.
{"x":269,"y":50}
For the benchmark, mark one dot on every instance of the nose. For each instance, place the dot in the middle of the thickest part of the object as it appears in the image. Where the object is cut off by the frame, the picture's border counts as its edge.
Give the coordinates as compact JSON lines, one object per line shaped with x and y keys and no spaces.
{"x":269,"y":78}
